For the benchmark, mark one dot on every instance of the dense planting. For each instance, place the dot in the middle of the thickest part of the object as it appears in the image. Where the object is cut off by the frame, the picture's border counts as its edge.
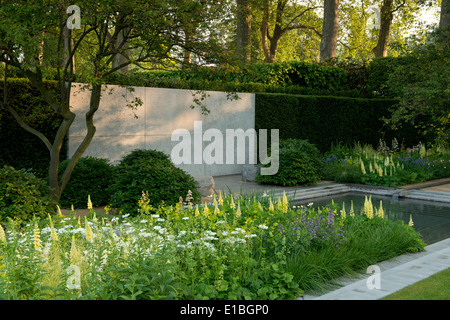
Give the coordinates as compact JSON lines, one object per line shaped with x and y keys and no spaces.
{"x":387,"y":166}
{"x":230,"y":248}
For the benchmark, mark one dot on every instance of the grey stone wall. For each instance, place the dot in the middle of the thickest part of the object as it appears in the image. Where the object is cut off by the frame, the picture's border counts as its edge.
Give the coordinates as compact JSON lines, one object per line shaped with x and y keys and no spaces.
{"x":121,"y":129}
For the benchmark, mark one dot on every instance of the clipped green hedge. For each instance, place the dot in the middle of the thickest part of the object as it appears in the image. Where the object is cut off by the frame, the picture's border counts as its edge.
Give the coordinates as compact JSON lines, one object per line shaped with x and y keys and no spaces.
{"x":324,"y":120}
{"x":19,"y":148}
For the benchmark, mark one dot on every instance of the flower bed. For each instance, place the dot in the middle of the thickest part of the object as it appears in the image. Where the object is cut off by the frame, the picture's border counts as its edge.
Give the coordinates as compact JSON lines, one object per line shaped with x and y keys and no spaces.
{"x":232,"y":248}
{"x":388,"y":167}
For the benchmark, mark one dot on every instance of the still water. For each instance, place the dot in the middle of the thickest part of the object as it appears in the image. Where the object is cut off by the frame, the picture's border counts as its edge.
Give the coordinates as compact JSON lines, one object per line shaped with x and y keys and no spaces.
{"x":431,"y":219}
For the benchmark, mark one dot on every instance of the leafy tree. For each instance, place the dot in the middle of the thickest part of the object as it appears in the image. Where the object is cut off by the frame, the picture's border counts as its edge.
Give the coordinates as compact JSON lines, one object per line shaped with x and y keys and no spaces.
{"x":421,"y":82}
{"x":150,"y":32}
{"x":281,"y":17}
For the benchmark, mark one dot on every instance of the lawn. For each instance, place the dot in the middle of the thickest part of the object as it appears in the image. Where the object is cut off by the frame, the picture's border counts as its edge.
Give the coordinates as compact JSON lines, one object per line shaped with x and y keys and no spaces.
{"x":435,"y":287}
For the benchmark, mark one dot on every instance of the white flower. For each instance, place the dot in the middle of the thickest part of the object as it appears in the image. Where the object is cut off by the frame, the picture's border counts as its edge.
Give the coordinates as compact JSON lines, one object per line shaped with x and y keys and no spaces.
{"x":185,"y":218}
{"x":262,"y":226}
{"x":126,"y":215}
{"x":161,"y":219}
{"x":155,"y":215}
{"x":143,"y":221}
{"x":181,"y":233}
{"x":310,"y":204}
{"x":157,"y":228}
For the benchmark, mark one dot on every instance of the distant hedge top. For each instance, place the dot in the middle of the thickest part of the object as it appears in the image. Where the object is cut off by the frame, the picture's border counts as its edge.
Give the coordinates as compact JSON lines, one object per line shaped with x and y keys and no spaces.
{"x":287,"y":77}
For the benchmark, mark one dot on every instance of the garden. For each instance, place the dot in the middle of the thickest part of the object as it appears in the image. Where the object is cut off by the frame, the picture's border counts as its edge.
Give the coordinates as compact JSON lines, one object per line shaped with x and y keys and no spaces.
{"x":353,"y":115}
{"x":166,"y":243}
{"x":234,"y":247}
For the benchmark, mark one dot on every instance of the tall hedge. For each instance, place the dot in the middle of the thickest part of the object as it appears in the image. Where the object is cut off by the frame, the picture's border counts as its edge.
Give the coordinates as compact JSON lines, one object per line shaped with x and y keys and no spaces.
{"x":19,"y":148}
{"x":324,"y":120}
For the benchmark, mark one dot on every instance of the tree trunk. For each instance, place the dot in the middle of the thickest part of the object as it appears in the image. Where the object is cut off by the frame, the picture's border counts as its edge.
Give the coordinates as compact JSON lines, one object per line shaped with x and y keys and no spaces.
{"x":243,"y":31}
{"x":386,"y":16}
{"x":189,"y":38}
{"x":270,"y":43}
{"x":328,"y":42}
{"x":445,"y":14}
{"x":121,"y":46}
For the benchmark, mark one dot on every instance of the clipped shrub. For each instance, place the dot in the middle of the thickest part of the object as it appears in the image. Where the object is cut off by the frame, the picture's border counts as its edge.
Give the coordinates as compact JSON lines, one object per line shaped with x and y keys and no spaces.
{"x":23,"y":195}
{"x":91,"y":176}
{"x":143,"y":154}
{"x":153,"y":172}
{"x":299,"y":163}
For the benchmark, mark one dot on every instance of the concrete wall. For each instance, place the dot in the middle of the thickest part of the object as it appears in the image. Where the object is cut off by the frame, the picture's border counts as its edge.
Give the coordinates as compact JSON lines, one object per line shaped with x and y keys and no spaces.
{"x":163,"y":111}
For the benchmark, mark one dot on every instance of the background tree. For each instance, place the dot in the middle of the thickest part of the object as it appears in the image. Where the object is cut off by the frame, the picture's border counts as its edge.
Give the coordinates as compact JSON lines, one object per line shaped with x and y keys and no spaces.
{"x":153,"y":33}
{"x":329,"y":37}
{"x":243,"y":30}
{"x":445,"y":14}
{"x":281,"y":17}
{"x":424,"y":94}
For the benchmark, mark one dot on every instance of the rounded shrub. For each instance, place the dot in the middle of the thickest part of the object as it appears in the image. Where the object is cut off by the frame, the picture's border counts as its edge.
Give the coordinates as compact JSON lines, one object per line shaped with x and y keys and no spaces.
{"x":91,"y":177}
{"x":23,"y":195}
{"x":153,"y":172}
{"x":300,"y":162}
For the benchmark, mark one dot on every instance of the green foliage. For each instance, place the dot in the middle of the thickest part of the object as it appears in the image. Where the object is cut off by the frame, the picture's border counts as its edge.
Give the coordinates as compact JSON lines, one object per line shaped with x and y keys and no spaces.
{"x":21,"y":149}
{"x":23,"y":195}
{"x":425,"y":92}
{"x":299,"y":163}
{"x":386,"y":167}
{"x":209,"y":252}
{"x":324,"y":120}
{"x":149,"y":171}
{"x":91,"y":176}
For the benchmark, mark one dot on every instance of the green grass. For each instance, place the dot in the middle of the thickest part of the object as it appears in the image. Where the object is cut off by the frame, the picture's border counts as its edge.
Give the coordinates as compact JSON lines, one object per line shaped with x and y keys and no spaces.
{"x":436,"y":287}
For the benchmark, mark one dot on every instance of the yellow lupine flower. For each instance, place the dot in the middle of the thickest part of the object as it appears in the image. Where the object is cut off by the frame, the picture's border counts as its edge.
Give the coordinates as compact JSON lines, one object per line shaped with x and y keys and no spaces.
{"x":89,"y":203}
{"x":343,"y":213}
{"x":368,"y":207}
{"x":220,"y":198}
{"x":352,"y":211}
{"x":238,"y":211}
{"x":363,"y":169}
{"x":285,"y":203}
{"x":53,"y":234}
{"x":380,"y":211}
{"x":216,"y":209}
{"x":206,"y":210}
{"x":37,"y":237}
{"x":271,"y":208}
{"x":232,"y":205}
{"x":88,"y":230}
{"x":197,"y":212}
{"x":59,"y":211}
{"x":279,"y":204}
{"x":74,"y":255}
{"x":411,"y":223}
{"x":2,"y":234}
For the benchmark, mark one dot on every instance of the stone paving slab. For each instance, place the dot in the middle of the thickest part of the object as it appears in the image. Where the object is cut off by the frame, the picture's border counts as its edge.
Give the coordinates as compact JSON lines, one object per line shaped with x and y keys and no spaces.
{"x":395,"y":275}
